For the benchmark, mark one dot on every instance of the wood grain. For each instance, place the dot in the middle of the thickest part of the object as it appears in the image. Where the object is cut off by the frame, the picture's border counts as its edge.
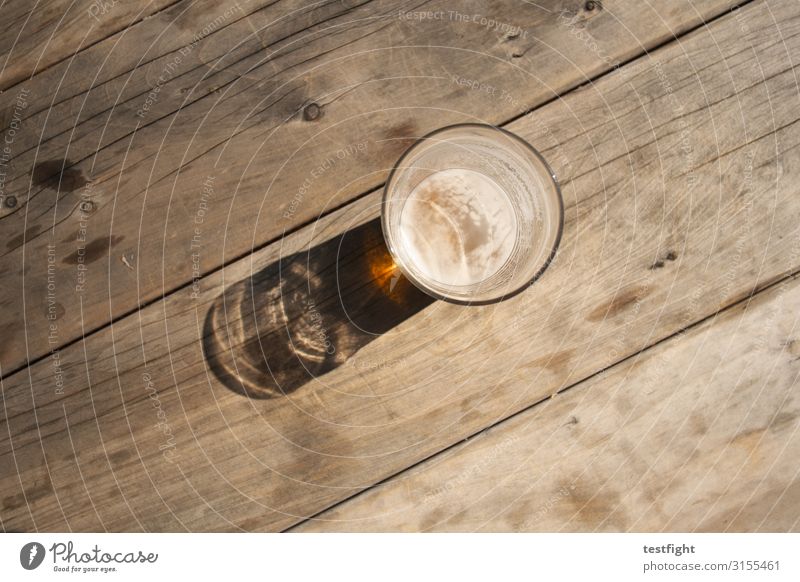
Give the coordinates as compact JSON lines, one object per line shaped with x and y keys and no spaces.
{"x":37,"y":35}
{"x":698,"y":433}
{"x":665,"y":226}
{"x":112,"y":172}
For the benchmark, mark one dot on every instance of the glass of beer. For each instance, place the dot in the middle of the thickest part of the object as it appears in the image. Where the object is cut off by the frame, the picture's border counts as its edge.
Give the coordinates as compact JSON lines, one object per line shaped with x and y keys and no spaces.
{"x":472,"y":214}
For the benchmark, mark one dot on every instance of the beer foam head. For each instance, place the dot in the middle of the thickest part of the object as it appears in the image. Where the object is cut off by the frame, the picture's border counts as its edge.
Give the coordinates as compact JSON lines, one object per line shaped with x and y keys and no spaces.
{"x":457,"y":227}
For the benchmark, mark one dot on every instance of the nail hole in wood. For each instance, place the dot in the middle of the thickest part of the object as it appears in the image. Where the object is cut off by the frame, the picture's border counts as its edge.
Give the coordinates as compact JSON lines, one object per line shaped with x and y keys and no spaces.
{"x":311,"y":112}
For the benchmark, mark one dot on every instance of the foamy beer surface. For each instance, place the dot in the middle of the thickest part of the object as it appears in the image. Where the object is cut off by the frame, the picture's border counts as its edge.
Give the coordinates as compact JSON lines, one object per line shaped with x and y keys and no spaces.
{"x":457,"y":227}
{"x":472,"y":214}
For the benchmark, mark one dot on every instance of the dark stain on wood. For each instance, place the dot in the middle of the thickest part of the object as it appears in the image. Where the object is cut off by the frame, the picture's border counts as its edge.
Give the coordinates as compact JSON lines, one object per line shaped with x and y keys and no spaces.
{"x":793,"y":347}
{"x":405,"y":130}
{"x":119,"y":457}
{"x":93,"y":251}
{"x":30,"y":495}
{"x":592,"y":506}
{"x":670,"y":256}
{"x":557,"y":362}
{"x":623,"y":404}
{"x":21,"y":238}
{"x":467,"y":406}
{"x":783,"y":418}
{"x":698,"y":424}
{"x":58,"y":310}
{"x":622,"y":301}
{"x":59,"y":175}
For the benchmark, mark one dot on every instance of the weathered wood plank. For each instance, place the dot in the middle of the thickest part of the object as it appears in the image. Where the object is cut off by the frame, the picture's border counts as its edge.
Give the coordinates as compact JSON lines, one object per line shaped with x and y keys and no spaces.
{"x":664,"y":227}
{"x":37,"y":35}
{"x":699,"y":433}
{"x":153,"y":68}
{"x":117,"y":192}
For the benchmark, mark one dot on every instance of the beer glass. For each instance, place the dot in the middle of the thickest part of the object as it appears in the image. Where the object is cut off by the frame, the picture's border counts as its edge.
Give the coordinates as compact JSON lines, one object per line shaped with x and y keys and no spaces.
{"x":472,"y":214}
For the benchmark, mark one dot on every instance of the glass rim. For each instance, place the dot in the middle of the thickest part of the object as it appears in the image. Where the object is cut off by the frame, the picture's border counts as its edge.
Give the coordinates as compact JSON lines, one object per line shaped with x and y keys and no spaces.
{"x":396,"y":256}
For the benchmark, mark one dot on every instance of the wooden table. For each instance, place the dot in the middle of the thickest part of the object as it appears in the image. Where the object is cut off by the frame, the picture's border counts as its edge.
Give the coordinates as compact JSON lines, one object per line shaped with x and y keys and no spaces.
{"x":201,"y":330}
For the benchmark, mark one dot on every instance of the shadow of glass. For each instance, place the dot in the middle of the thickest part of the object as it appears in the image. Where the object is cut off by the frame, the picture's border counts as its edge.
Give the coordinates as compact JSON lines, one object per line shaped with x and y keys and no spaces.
{"x":307,"y":313}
